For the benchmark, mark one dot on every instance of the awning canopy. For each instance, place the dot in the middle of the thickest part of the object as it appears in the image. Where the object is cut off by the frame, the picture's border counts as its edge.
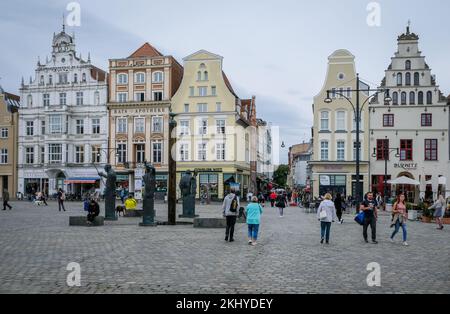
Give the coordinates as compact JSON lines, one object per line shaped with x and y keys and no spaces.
{"x":404,"y":181}
{"x":81,"y":180}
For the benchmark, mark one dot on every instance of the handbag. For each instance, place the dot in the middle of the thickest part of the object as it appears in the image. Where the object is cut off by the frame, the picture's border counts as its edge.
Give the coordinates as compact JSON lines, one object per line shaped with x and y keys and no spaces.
{"x":323,"y":215}
{"x":360,"y":218}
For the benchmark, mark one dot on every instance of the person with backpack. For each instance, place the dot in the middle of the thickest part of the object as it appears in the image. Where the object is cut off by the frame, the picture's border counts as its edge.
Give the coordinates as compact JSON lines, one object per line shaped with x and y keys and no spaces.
{"x":281,"y":203}
{"x":254,"y":211}
{"x":326,"y":215}
{"x":61,"y":196}
{"x":369,"y":207}
{"x":230,"y":209}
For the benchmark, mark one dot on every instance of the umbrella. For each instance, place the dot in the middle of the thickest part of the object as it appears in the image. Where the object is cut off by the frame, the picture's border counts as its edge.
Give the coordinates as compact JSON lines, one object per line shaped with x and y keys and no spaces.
{"x":404,"y":181}
{"x":423,"y":187}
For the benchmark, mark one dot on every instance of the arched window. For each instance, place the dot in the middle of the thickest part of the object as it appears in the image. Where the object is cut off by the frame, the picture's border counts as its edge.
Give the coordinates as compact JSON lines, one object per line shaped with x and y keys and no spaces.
{"x":408,"y":65}
{"x":122,"y":78}
{"x":41,"y":80}
{"x":83,"y":78}
{"x":199,"y":76}
{"x":50,"y":79}
{"x":420,"y":98}
{"x":403,"y":98}
{"x":416,"y":79}
{"x":205,"y":76}
{"x":158,"y":77}
{"x":139,"y":78}
{"x":408,"y":79}
{"x":412,"y":98}
{"x":202,"y":66}
{"x":429,"y":98}
{"x":29,"y":101}
{"x":399,"y":79}
{"x":395,"y":98}
{"x":75,"y":78}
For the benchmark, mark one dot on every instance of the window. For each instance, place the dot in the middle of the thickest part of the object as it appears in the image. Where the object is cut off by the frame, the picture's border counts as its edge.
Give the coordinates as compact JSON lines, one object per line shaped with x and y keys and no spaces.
{"x":202,"y":91}
{"x":96,"y":154}
{"x":406,"y":150}
{"x":184,"y":152}
{"x":97,"y":98}
{"x":157,"y":96}
{"x":186,"y":108}
{"x":383,"y":149}
{"x":416,"y":79}
{"x":395,"y":98}
{"x":139,"y":96}
{"x":213,"y":90}
{"x":408,"y":65}
{"x":340,"y":151}
{"x":184,"y":127}
{"x":191,"y":91}
{"x":420,"y":98}
{"x":55,"y":124}
{"x":399,"y":79}
{"x":426,"y":119}
{"x":157,"y":152}
{"x":54,"y":153}
{"x":79,"y":98}
{"x":30,"y":128}
{"x":202,"y":107}
{"x":349,"y":92}
{"x":83,"y":78}
{"x":157,"y":124}
{"x":122,"y":126}
{"x":75,"y":78}
{"x":42,"y":154}
{"x":140,"y":153}
{"x":431,"y":149}
{"x":121,"y":153}
{"x":43,"y":127}
{"x":205,"y":76}
{"x":62,"y":99}
{"x":403,"y":98}
{"x":333,"y":93}
{"x":79,"y":154}
{"x":220,"y":151}
{"x":324,"y":150}
{"x":29,"y":155}
{"x":361,"y":123}
{"x":158,"y":77}
{"x":46,"y":99}
{"x":139,"y":78}
{"x":412,"y":98}
{"x":122,"y":97}
{"x":122,"y":78}
{"x":202,"y":151}
{"x":3,"y":156}
{"x":340,"y":120}
{"x":199,"y":76}
{"x":139,"y":125}
{"x":95,"y":126}
{"x":388,"y":120}
{"x":218,"y":107}
{"x":79,"y":125}
{"x":429,"y":98}
{"x":50,"y":80}
{"x":62,"y":78}
{"x":408,"y":79}
{"x":355,"y":150}
{"x":4,"y":133}
{"x":203,"y":127}
{"x":324,"y":123}
{"x":220,"y":126}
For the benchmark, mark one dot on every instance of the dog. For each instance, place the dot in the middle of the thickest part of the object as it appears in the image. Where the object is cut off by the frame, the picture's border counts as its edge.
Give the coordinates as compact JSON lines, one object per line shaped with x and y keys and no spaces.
{"x":120,"y":209}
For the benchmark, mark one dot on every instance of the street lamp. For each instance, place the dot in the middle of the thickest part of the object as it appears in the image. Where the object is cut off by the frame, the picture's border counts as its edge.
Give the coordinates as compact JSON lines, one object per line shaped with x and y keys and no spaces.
{"x":357,"y":113}
{"x":386,"y":153}
{"x":172,"y":191}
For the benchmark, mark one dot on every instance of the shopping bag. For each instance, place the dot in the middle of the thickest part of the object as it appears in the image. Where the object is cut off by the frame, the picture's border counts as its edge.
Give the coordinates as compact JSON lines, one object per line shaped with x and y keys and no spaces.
{"x":360,"y":218}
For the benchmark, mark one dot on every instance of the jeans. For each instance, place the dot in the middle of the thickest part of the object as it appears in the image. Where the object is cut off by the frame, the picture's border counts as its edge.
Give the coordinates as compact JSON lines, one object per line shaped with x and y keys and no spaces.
{"x":397,"y":228}
{"x":281,"y":210}
{"x":370,"y":220}
{"x":325,"y":228}
{"x":229,"y":232}
{"x":5,"y":204}
{"x":61,"y":204}
{"x":253,"y":232}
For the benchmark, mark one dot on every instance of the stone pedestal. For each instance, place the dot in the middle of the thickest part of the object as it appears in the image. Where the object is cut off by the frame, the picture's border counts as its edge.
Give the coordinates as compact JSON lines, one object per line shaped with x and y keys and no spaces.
{"x":82,"y":221}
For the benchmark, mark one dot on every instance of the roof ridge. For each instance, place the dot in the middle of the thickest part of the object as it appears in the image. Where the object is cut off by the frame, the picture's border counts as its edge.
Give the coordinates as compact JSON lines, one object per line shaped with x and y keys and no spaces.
{"x":146,"y":50}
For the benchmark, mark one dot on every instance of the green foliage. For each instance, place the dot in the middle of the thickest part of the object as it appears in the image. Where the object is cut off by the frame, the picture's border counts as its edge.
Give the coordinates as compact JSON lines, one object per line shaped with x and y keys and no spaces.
{"x":280,"y":175}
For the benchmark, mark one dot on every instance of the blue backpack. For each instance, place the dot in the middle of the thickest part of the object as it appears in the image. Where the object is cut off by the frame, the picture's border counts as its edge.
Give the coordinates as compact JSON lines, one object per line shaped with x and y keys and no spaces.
{"x":360,"y":218}
{"x":86,"y":205}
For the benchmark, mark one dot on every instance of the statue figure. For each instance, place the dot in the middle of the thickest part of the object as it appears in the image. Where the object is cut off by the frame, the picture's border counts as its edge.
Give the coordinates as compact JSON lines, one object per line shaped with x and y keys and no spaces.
{"x":188,"y":187}
{"x":149,"y":180}
{"x":110,"y":192}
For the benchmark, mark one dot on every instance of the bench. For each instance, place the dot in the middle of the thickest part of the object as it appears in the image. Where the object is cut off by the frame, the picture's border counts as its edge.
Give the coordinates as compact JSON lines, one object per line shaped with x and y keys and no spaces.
{"x":210,"y":223}
{"x":134,"y":213}
{"x":82,"y":221}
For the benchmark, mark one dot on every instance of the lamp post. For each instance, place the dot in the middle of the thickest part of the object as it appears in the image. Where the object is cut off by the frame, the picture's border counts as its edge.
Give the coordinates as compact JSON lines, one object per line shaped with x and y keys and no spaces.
{"x":357,"y":113}
{"x":386,"y":153}
{"x":172,"y":197}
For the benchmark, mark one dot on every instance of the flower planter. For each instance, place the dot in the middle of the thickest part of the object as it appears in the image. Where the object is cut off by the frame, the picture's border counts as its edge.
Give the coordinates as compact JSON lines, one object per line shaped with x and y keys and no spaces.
{"x":446,"y":221}
{"x":426,"y":219}
{"x":412,"y":215}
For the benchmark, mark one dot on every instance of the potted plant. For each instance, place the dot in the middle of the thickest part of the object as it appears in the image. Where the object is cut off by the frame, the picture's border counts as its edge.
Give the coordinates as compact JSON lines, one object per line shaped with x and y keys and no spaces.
{"x":427,"y":214}
{"x":412,"y":212}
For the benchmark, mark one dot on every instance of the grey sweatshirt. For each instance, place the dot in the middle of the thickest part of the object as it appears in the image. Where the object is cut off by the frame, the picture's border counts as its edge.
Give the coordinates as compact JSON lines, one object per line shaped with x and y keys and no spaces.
{"x":327,"y":206}
{"x":227,"y":204}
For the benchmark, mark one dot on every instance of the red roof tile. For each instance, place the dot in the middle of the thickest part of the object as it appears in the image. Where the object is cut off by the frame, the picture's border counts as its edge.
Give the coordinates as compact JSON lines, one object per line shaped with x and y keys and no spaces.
{"x":146,"y":50}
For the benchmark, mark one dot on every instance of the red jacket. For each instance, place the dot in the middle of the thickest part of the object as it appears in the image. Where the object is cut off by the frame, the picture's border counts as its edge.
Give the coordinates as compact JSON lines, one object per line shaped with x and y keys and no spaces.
{"x":273,"y":196}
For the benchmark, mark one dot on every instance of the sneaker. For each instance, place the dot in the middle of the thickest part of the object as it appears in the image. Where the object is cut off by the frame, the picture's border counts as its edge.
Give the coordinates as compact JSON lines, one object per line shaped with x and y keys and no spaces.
{"x":231,"y":240}
{"x":405,"y":243}
{"x":374,"y":242}
{"x":342,"y":221}
{"x":250,"y":242}
{"x":226,"y":239}
{"x":392,"y":240}
{"x":366,"y":241}
{"x":321,"y":241}
{"x":254,"y":243}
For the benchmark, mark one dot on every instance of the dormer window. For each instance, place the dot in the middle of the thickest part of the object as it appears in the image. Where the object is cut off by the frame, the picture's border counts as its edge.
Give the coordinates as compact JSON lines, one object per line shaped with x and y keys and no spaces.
{"x":41,"y":81}
{"x":83,"y":78}
{"x":408,"y":65}
{"x":50,"y":79}
{"x":75,"y":78}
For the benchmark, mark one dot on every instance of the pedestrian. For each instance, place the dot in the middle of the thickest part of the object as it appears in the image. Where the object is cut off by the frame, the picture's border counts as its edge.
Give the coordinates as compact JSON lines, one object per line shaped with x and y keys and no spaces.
{"x":326,"y":215}
{"x":130,"y":203}
{"x":6,"y":199}
{"x":254,"y":211}
{"x":249,"y":196}
{"x":379,"y":199}
{"x":230,"y":208}
{"x":369,"y":206}
{"x":400,"y":217}
{"x":339,"y":205}
{"x":439,"y":211}
{"x":281,"y":203}
{"x":61,"y":196}
{"x":272,"y":197}
{"x":94,"y":211}
{"x":261,"y":199}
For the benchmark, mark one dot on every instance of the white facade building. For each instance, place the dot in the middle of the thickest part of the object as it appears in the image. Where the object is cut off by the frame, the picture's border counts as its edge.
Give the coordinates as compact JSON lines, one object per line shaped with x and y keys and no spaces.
{"x":416,"y":122}
{"x":264,"y":160}
{"x":63,"y":123}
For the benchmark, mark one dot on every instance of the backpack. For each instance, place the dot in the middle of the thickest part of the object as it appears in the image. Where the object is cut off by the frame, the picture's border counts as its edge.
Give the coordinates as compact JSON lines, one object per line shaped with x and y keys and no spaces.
{"x":234,"y":205}
{"x":63,"y":196}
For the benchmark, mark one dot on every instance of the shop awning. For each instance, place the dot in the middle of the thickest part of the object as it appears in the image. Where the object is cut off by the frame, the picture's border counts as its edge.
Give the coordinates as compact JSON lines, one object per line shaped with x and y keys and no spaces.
{"x":81,"y":180}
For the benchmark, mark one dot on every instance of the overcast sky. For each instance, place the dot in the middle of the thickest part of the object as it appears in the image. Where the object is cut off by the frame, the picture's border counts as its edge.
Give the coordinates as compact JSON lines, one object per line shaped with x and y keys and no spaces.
{"x":276,"y":50}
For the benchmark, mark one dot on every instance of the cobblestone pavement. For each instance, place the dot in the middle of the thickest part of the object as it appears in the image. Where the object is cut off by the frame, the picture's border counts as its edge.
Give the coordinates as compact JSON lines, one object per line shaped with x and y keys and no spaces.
{"x":36,"y":245}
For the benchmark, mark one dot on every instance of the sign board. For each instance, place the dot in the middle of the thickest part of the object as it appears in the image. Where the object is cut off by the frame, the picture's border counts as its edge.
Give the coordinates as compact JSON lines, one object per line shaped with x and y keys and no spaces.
{"x":138,"y":195}
{"x":138,"y":184}
{"x":139,"y":172}
{"x":325,"y":180}
{"x":406,"y":166}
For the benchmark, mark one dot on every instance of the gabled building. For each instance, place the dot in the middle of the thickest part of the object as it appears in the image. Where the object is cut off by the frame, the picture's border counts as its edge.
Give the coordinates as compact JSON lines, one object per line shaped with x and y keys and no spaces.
{"x":299,"y":170}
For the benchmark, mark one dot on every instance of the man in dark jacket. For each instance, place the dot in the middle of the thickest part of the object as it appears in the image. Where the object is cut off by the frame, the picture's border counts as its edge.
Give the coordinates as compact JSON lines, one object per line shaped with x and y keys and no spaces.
{"x":94,"y":211}
{"x":6,"y":199}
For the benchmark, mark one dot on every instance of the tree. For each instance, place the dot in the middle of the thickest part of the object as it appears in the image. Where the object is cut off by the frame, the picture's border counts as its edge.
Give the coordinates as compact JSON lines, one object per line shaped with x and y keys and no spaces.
{"x":280,"y":175}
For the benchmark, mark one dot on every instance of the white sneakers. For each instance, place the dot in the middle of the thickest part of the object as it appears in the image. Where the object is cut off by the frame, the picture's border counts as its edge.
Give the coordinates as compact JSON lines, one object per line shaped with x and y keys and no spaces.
{"x":392,"y":240}
{"x":405,"y":243}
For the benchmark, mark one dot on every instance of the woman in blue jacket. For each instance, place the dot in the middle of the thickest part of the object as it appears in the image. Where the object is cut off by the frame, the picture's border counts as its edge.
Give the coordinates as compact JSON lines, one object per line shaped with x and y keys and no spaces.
{"x":254,"y":211}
